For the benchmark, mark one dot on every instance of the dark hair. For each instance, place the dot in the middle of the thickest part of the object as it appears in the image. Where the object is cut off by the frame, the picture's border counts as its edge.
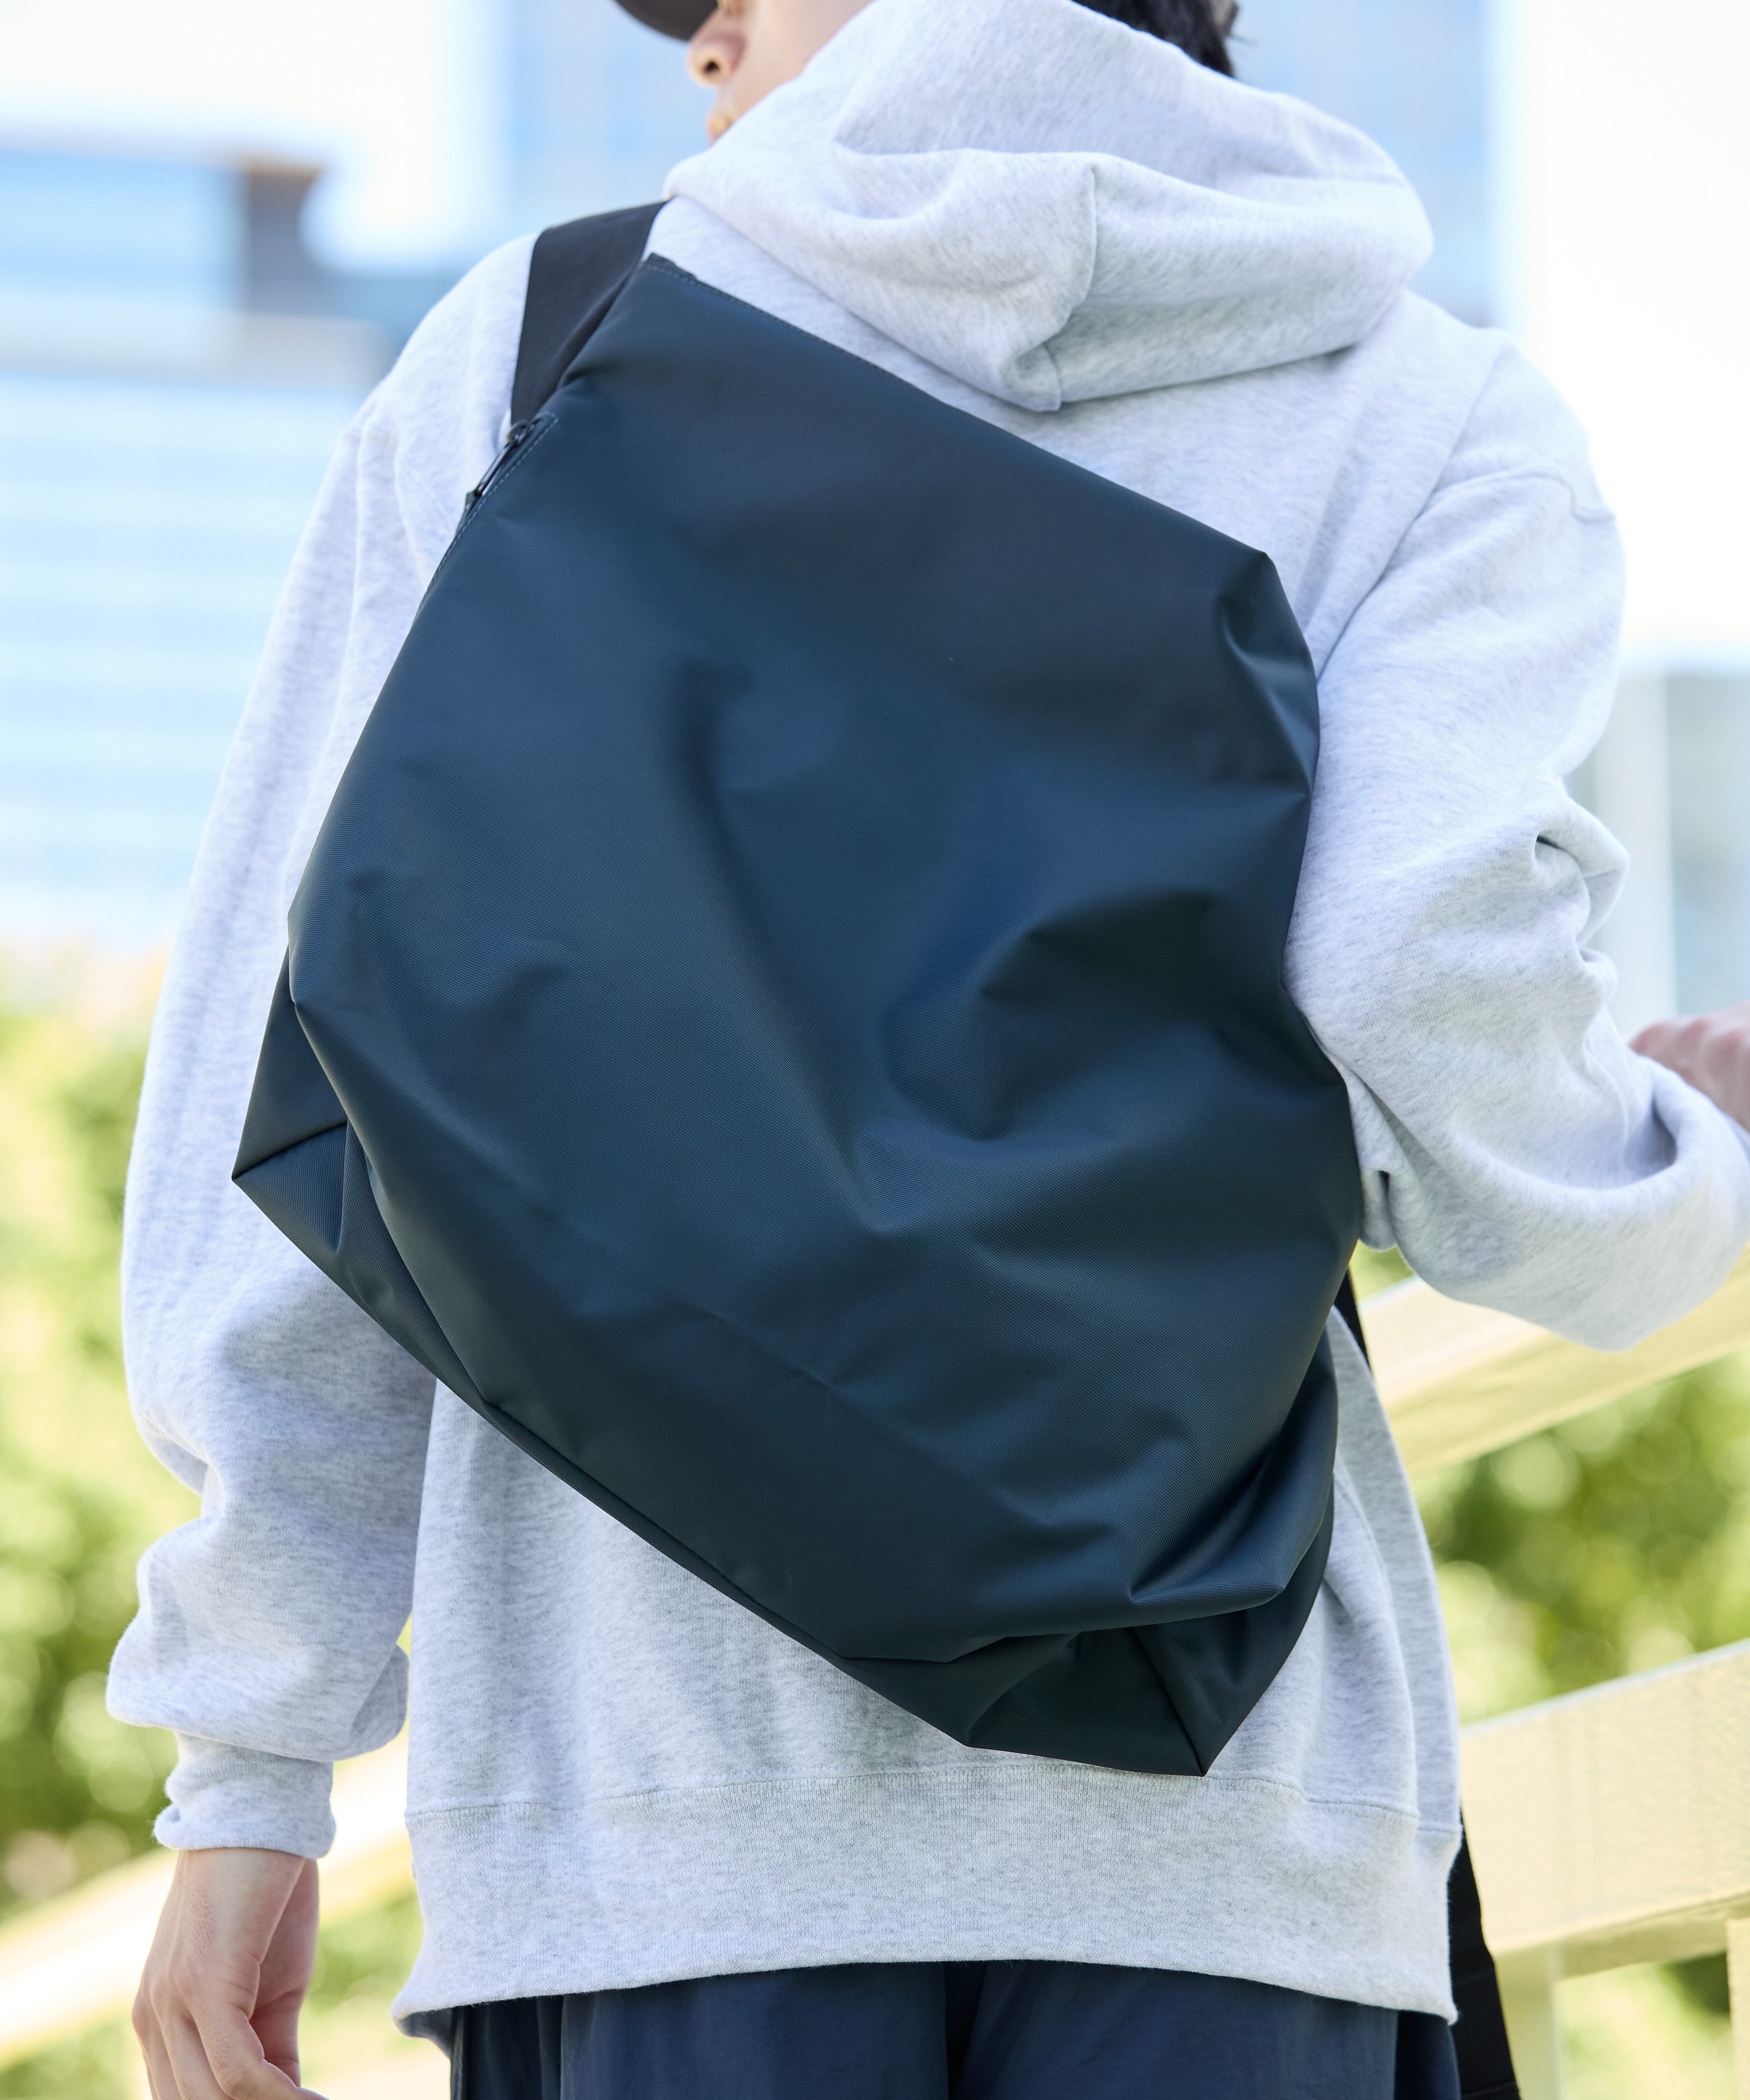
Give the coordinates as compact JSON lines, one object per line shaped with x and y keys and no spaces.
{"x":1199,"y":27}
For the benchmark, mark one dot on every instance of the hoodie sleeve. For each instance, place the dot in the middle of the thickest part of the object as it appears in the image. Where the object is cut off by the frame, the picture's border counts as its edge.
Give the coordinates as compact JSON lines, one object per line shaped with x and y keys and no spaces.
{"x":268,"y":1630}
{"x":1515,"y":1150}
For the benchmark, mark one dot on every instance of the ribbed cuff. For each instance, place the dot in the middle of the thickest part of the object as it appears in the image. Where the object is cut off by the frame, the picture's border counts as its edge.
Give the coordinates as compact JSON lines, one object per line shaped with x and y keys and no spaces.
{"x":220,"y":1796}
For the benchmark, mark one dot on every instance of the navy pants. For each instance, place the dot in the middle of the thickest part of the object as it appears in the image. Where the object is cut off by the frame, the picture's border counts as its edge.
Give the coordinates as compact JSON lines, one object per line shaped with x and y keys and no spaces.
{"x":951,"y":2030}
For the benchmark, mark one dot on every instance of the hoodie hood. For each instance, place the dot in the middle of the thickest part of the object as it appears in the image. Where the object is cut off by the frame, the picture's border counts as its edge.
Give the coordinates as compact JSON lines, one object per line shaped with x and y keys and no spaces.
{"x":1054,"y":208}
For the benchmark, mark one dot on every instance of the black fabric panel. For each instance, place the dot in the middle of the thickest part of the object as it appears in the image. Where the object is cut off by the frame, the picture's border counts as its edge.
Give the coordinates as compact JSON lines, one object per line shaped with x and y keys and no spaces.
{"x":576,"y":273}
{"x":291,"y":1100}
{"x":1351,"y":1313}
{"x":798,"y":948}
{"x":1485,"y":2060}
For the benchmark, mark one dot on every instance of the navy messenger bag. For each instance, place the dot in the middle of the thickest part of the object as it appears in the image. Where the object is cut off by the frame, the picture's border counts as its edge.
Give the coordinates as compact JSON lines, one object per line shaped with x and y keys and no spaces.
{"x":785,"y":1017}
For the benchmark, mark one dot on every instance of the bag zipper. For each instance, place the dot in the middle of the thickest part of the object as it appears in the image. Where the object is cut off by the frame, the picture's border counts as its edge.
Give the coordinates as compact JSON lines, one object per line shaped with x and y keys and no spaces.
{"x":515,"y":438}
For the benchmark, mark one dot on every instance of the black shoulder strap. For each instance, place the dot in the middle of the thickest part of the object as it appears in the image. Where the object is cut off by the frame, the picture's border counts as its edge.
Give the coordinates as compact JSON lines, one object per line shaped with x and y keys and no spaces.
{"x":575,"y":274}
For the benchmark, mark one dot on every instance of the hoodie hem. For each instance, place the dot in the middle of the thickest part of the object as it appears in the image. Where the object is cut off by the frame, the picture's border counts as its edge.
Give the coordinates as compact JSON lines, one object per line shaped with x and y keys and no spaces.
{"x":1230,"y":1877}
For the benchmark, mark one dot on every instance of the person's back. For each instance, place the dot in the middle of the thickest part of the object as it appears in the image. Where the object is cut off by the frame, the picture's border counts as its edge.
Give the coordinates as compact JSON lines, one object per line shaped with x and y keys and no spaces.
{"x":623,"y":1785}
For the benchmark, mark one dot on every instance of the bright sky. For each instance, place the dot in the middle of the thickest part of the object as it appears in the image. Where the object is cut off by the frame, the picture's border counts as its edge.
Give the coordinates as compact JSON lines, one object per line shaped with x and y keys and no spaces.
{"x":1633,"y":168}
{"x":398,"y":95}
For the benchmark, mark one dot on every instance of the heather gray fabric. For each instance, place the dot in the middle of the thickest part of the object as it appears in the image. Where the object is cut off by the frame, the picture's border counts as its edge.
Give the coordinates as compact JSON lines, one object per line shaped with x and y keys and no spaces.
{"x":590,"y":1807}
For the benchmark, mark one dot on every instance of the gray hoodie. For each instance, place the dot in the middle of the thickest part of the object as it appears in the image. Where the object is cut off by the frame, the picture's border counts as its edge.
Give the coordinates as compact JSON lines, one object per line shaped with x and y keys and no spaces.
{"x":618,"y":1777}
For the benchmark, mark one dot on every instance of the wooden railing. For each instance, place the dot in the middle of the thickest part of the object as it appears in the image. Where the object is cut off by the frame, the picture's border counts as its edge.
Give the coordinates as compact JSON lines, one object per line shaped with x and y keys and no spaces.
{"x":1458,"y":1380}
{"x":1608,"y":1827}
{"x":1612,"y":1826}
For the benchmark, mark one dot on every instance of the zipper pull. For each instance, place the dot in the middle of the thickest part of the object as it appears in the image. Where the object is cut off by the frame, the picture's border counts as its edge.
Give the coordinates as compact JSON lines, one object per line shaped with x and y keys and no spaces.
{"x":516,"y":436}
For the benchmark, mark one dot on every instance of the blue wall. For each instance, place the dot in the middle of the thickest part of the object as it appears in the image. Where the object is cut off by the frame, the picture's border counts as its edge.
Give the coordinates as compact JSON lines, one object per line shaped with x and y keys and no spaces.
{"x":145,"y":529}
{"x":147,"y":520}
{"x":118,"y":225}
{"x":600,"y":110}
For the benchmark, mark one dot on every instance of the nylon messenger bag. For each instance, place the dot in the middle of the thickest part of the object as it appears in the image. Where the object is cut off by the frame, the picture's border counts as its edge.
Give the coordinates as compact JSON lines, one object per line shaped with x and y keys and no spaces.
{"x":785,"y":1017}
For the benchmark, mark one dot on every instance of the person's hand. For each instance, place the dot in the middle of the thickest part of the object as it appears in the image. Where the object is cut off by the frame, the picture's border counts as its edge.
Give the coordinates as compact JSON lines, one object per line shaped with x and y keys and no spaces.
{"x":216,"y":2012}
{"x":1711,"y":1051}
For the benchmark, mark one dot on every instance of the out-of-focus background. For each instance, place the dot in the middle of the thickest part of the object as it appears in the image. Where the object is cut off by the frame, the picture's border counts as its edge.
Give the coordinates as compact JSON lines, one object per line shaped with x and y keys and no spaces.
{"x":219,"y":220}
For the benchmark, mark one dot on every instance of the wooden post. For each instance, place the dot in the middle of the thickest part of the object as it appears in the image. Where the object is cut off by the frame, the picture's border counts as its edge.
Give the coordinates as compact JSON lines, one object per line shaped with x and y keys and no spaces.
{"x":1528,"y":1999}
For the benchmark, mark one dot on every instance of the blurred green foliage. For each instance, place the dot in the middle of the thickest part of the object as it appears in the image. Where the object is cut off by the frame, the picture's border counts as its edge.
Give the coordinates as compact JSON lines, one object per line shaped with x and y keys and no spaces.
{"x":79,"y":1499}
{"x":1614,"y":1543}
{"x":96,"y":2065}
